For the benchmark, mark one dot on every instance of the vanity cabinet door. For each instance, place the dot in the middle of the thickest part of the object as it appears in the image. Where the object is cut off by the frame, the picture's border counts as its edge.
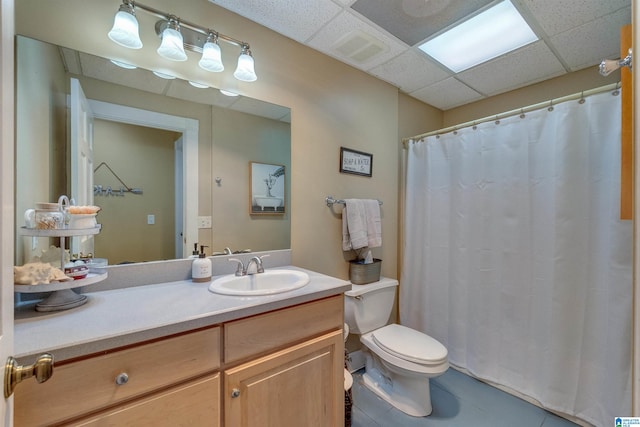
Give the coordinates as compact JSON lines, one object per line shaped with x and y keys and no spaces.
{"x":298,"y":386}
{"x":196,"y":403}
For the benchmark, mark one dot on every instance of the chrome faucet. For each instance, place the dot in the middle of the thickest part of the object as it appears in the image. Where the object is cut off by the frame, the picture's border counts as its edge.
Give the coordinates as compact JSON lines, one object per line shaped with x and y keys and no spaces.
{"x":227,"y":251}
{"x":243,"y":271}
{"x":258,"y":262}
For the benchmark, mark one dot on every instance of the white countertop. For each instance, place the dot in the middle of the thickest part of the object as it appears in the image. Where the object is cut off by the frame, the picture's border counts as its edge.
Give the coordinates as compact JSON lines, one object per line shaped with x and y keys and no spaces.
{"x":118,"y":317}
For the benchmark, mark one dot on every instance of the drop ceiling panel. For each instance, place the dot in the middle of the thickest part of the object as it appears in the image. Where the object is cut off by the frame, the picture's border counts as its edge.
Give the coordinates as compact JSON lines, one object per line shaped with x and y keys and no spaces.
{"x":413,"y":21}
{"x":556,"y":17}
{"x":578,"y":33}
{"x":345,"y":24}
{"x":298,"y":20}
{"x":260,"y":108}
{"x":445,"y":94}
{"x":101,"y":69}
{"x":410,"y":71}
{"x":528,"y":65}
{"x":588,"y":44}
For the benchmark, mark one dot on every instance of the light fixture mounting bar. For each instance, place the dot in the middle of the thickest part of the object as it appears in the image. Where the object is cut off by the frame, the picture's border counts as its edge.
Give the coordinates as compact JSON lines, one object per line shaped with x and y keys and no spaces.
{"x":195,"y":27}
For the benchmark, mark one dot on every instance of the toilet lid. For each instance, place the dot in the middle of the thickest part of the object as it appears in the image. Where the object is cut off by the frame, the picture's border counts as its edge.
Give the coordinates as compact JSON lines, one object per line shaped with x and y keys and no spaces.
{"x":411,"y":345}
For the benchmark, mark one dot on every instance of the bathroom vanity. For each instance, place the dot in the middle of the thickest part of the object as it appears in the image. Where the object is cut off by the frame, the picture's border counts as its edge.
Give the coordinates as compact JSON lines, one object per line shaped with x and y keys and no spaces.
{"x":177,"y":354}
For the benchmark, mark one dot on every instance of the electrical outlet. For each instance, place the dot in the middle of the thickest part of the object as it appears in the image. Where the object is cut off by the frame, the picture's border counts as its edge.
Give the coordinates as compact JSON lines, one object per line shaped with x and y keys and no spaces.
{"x":151,"y":219}
{"x":204,"y":222}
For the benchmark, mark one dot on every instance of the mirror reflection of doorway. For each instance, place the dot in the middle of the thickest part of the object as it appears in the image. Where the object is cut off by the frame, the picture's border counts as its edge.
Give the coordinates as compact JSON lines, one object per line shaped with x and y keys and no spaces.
{"x":143,"y":158}
{"x":157,"y":153}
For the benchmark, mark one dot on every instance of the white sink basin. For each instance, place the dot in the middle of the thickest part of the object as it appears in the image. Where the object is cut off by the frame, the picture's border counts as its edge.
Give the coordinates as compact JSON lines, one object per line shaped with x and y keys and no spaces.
{"x":269,"y":282}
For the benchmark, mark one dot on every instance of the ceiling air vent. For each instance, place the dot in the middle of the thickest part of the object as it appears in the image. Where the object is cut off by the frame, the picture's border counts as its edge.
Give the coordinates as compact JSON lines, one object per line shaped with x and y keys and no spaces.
{"x":359,"y":46}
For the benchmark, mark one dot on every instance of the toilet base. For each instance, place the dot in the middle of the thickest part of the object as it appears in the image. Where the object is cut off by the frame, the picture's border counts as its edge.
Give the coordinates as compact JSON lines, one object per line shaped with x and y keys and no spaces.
{"x":409,"y":395}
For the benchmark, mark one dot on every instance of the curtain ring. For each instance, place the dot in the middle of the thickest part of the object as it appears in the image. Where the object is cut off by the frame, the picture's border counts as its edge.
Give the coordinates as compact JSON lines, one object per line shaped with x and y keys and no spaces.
{"x":497,"y":120}
{"x":582,"y":100}
{"x":550,"y":106}
{"x":455,"y":131}
{"x":522,"y":116}
{"x":616,"y":92}
{"x":474,"y":126}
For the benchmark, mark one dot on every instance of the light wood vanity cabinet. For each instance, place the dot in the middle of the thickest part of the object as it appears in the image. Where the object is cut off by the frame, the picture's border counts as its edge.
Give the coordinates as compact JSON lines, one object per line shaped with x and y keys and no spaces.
{"x":301,"y":383}
{"x":280,"y":368}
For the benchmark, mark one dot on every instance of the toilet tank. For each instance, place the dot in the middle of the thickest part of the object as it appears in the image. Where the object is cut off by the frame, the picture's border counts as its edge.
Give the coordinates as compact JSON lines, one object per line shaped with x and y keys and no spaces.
{"x":368,"y":307}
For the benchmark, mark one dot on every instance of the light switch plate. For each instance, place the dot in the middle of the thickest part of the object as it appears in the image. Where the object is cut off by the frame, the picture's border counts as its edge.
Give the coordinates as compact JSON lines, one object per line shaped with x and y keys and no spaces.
{"x":151,"y":219}
{"x":204,"y":222}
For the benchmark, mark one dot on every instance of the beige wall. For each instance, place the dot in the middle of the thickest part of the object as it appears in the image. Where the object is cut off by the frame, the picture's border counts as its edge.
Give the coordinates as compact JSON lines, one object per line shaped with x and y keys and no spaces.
{"x":143,"y":158}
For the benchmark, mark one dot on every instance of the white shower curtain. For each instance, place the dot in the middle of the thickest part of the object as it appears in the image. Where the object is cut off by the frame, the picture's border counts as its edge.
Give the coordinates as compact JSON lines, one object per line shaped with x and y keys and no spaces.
{"x":515,"y":257}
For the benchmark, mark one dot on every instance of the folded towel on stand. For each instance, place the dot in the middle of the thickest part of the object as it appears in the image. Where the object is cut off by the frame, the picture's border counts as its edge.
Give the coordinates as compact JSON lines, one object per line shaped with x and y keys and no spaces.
{"x":361,"y":225}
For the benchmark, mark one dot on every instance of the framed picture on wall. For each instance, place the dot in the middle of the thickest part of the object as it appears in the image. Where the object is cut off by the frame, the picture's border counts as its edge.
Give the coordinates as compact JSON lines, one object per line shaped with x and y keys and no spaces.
{"x":267,"y":188}
{"x":356,"y":162}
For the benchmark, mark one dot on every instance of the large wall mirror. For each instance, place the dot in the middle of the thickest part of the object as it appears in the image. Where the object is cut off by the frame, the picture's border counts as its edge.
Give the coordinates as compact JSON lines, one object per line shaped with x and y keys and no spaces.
{"x":146,"y":153}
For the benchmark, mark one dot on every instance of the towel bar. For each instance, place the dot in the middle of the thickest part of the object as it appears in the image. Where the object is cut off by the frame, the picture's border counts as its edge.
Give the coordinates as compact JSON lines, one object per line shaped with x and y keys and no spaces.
{"x":331,"y":201}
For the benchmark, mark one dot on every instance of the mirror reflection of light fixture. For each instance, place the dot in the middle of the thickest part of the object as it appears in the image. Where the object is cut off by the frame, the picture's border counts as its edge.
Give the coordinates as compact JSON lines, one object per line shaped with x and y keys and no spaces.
{"x":125,"y":27}
{"x":245,"y":70}
{"x":211,"y":56}
{"x":178,"y":35}
{"x":164,"y":75}
{"x":198,"y":85}
{"x":123,"y":64}
{"x":227,"y":93}
{"x":172,"y":46}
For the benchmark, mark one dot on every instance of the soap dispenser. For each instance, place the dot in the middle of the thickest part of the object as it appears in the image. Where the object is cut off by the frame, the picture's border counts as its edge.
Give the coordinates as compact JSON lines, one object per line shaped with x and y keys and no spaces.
{"x":201,"y":267}
{"x":195,"y":254}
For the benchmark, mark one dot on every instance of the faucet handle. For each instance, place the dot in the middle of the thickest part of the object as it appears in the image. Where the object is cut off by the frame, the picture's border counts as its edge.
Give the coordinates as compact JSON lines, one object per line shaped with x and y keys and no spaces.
{"x":260,"y":266}
{"x":240,"y":270}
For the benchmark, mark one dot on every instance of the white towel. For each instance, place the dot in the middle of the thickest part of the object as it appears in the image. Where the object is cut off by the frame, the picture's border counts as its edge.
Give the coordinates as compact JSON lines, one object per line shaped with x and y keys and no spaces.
{"x":361,"y":226}
{"x":374,"y":225}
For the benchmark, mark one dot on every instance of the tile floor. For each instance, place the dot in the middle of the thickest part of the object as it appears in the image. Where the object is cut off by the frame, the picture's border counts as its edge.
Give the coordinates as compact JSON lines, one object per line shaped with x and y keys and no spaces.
{"x":458,"y":400}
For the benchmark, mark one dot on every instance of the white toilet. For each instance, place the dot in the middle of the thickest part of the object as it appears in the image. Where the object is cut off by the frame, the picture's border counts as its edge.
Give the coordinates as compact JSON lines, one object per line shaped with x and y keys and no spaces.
{"x":398,"y":360}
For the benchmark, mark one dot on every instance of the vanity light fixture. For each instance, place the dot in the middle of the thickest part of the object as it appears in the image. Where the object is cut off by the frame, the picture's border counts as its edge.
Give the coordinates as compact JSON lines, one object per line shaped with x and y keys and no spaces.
{"x":172,"y":46}
{"x":211,"y":56}
{"x":245,"y":71}
{"x":178,"y":35}
{"x":125,"y":27}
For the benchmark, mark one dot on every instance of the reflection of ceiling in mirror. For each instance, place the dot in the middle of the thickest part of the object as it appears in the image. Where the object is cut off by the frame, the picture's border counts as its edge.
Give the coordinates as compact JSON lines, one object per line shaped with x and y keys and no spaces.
{"x":95,"y":67}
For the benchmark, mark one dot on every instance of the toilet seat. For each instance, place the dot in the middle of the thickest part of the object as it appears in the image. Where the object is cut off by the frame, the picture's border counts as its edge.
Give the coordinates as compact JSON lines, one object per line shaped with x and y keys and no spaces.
{"x":411,"y":345}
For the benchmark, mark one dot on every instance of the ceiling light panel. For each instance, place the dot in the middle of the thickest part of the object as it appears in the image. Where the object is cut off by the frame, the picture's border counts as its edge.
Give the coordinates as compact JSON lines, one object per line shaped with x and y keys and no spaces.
{"x":494,"y":32}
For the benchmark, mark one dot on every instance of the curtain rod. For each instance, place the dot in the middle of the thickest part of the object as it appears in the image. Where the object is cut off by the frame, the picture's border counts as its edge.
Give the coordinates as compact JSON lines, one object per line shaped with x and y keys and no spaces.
{"x":550,"y":103}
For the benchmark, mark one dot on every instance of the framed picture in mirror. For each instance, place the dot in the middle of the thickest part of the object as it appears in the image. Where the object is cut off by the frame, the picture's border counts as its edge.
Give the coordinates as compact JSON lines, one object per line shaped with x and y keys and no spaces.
{"x":267,"y":191}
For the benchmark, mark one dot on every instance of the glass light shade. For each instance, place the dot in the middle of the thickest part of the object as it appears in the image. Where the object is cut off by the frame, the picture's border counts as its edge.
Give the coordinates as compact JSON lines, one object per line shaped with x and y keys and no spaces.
{"x":245,"y":71}
{"x":492,"y":33}
{"x":211,"y":58}
{"x":125,"y":30}
{"x":171,"y":46}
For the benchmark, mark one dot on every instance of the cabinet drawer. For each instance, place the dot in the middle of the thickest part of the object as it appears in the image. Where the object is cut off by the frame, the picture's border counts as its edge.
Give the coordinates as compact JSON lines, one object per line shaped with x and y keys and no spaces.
{"x":197,"y":403}
{"x":260,"y":334}
{"x":89,"y":385}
